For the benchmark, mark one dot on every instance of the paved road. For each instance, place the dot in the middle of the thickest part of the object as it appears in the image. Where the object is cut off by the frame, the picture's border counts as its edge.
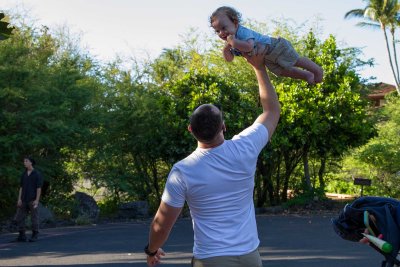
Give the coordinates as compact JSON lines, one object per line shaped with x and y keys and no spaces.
{"x":288,"y":241}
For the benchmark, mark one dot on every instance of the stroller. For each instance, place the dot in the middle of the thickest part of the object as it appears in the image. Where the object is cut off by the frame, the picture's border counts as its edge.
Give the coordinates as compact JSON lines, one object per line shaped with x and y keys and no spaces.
{"x":381,"y":216}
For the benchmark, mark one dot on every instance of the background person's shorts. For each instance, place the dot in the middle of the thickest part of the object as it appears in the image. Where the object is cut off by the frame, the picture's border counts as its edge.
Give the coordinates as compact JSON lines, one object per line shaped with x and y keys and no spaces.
{"x":282,"y":56}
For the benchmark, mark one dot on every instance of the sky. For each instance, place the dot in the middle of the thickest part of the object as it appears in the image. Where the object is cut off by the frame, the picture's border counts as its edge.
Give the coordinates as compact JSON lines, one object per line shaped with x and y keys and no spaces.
{"x":137,"y":28}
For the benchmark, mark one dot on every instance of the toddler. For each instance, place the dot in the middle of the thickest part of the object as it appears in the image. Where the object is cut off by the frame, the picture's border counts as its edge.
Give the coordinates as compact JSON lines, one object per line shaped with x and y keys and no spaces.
{"x":280,"y":58}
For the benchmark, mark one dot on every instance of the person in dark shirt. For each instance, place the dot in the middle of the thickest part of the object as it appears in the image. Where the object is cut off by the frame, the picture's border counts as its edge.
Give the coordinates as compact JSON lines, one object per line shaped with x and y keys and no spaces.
{"x":28,"y":200}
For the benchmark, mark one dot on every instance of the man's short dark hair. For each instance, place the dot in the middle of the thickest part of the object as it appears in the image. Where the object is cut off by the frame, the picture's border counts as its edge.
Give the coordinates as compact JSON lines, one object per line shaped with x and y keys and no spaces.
{"x":206,"y":122}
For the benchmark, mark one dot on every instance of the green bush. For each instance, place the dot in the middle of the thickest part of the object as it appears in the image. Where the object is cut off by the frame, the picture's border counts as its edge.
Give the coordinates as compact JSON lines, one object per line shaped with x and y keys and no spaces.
{"x":108,"y":207}
{"x":305,"y":198}
{"x":82,"y":220}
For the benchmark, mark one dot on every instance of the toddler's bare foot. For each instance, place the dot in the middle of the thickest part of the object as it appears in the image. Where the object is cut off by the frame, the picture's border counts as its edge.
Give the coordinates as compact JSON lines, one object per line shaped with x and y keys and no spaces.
{"x":319,"y":75}
{"x":310,"y":78}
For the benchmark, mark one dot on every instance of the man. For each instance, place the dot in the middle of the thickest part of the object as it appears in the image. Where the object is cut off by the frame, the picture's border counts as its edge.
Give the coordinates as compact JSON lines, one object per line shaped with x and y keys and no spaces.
{"x":28,"y":200}
{"x":217,"y":182}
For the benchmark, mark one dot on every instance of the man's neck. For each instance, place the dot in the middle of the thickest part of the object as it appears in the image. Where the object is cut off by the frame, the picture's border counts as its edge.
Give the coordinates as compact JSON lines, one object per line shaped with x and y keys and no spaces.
{"x":217,"y":142}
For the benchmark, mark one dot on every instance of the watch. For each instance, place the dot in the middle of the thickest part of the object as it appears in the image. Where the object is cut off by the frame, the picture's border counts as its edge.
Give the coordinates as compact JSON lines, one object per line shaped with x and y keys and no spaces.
{"x":148,"y":252}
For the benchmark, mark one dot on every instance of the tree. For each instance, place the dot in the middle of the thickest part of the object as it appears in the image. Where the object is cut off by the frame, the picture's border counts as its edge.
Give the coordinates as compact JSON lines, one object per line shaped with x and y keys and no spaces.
{"x":123,"y":129}
{"x":380,"y":157}
{"x":45,"y":94}
{"x":127,"y":148}
{"x":318,"y":123}
{"x":322,"y":122}
{"x":385,"y":15}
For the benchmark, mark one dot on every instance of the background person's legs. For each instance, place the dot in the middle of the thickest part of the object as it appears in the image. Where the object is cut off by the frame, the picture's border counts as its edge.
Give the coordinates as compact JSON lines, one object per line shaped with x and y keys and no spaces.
{"x":35,"y":221}
{"x":20,"y":220}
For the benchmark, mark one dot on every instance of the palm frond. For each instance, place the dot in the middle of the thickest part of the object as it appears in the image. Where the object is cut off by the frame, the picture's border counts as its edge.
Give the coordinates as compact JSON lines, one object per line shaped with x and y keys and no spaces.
{"x":369,"y":25}
{"x":356,"y":13}
{"x":370,"y":13}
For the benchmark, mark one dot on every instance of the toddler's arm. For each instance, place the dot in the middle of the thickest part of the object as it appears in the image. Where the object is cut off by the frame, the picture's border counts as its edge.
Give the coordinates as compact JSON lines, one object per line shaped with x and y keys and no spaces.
{"x":228,"y":56}
{"x":243,"y":46}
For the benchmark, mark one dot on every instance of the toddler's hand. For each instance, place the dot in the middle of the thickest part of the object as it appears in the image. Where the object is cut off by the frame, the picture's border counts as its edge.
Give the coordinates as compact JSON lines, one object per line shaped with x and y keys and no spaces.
{"x":227,"y":45}
{"x":230,"y":38}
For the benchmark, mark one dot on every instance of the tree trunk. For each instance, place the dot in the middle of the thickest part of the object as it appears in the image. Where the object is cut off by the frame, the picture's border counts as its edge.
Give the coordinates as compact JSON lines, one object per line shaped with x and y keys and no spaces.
{"x":140,"y":169}
{"x":278,"y":181}
{"x":321,"y":173}
{"x":257,"y":195}
{"x":395,"y":53}
{"x":270,"y":189}
{"x":284,"y":195}
{"x":395,"y":60}
{"x":390,"y":58}
{"x":266,"y":186}
{"x":307,"y":180}
{"x":291,"y":162}
{"x":155,"y":182}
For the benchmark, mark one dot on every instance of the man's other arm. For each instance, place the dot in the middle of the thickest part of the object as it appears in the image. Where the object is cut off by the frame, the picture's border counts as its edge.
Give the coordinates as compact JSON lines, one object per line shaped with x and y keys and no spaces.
{"x":160,"y":229}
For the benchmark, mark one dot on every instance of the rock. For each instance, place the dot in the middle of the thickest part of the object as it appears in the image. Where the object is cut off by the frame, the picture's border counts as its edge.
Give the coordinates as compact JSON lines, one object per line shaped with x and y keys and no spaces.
{"x":46,"y":216}
{"x":86,"y":208}
{"x":133,"y":210}
{"x":8,"y":226}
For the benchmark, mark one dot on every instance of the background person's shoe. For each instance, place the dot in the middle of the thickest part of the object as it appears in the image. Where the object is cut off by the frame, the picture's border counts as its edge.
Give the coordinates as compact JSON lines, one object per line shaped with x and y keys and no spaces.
{"x":21,"y":237}
{"x":34,"y":236}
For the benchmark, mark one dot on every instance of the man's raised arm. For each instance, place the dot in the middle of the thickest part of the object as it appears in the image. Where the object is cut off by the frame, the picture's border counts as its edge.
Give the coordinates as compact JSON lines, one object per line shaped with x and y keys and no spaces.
{"x":268,"y":97}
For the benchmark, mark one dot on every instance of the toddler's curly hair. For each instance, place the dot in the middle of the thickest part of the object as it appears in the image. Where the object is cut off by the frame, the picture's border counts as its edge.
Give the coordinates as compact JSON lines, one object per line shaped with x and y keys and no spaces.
{"x":230,"y":12}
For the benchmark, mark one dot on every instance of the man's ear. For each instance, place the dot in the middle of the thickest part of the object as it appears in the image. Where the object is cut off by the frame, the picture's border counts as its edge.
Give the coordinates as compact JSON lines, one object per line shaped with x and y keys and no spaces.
{"x":223,"y":127}
{"x":189,"y":128}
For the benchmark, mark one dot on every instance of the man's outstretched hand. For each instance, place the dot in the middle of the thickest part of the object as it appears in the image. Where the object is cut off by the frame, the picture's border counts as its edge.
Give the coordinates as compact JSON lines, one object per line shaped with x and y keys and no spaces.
{"x":156,"y":259}
{"x":256,"y":58}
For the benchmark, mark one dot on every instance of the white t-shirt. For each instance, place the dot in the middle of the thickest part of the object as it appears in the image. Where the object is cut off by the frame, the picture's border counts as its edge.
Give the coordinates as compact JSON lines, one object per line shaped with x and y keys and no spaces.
{"x":218,"y":185}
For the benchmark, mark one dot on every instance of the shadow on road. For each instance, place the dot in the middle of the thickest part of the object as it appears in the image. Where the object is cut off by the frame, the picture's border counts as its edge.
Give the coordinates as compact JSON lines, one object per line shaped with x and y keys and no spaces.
{"x":285,"y":240}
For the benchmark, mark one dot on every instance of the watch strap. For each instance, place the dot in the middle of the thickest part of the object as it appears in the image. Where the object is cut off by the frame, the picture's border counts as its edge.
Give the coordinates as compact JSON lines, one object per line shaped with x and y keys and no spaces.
{"x":148,"y":252}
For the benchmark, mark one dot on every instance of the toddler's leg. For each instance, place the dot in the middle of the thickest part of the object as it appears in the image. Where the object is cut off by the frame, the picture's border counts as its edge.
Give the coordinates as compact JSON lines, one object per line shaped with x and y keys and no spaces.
{"x":298,"y":73}
{"x":311,"y":66}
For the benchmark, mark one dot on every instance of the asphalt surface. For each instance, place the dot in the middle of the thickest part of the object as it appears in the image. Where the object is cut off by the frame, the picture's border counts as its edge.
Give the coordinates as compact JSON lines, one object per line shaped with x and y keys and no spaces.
{"x":286,"y":240}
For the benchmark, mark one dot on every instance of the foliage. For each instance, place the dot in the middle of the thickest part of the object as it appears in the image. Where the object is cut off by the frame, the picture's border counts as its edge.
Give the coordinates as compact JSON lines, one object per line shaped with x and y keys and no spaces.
{"x":123,"y":129}
{"x":45,"y":97}
{"x":303,"y":199}
{"x":5,"y":28}
{"x":82,"y":220}
{"x":62,"y":206}
{"x":379,"y":159}
{"x":318,"y":122}
{"x":108,"y":208}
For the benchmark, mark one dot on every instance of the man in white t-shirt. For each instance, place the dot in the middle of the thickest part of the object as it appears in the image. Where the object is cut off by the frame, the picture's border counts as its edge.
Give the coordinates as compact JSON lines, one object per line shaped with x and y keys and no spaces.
{"x":217,"y":182}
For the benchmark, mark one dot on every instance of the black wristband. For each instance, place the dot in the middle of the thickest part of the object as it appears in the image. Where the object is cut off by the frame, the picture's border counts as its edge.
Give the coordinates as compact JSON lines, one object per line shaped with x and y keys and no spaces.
{"x":148,"y":252}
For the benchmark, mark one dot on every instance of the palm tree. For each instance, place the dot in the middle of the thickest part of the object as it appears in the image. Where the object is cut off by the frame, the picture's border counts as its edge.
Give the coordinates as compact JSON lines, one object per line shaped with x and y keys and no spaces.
{"x":383,"y":14}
